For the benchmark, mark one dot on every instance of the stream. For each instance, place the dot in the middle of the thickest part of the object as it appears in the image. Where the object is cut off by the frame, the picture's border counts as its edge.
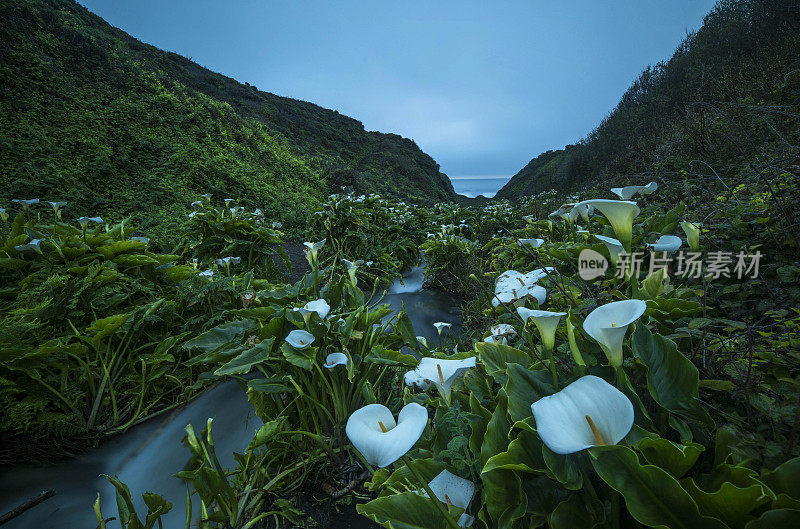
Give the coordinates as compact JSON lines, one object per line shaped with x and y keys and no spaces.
{"x":146,"y":456}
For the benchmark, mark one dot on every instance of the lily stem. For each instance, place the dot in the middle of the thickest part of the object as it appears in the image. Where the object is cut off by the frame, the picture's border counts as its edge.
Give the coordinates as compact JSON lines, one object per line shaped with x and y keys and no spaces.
{"x":450,"y":522}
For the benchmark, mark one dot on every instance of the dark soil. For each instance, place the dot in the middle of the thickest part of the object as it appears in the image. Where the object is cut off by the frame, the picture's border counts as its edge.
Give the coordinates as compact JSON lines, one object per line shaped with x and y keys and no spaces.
{"x":297,"y":258}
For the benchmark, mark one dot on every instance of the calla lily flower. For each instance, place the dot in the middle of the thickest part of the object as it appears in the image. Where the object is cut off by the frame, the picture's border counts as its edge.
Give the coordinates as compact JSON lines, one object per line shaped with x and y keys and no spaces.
{"x":453,"y":490}
{"x":545,"y":321}
{"x":514,"y":287}
{"x":3,"y":214}
{"x":441,"y":325}
{"x":84,"y":221}
{"x":620,"y":215}
{"x":229,"y":201}
{"x":320,"y":306}
{"x":608,"y":324}
{"x":532,"y":243}
{"x":300,"y":339}
{"x":584,"y":210}
{"x":208,"y":274}
{"x":311,"y":249}
{"x":206,"y":197}
{"x":34,"y":245}
{"x":495,"y":339}
{"x":228,"y":261}
{"x":692,"y":232}
{"x":26,"y":203}
{"x":666,"y":243}
{"x":276,"y":225}
{"x":589,"y":412}
{"x":335,"y":359}
{"x":502,"y":331}
{"x":382,"y":441}
{"x":614,"y":247}
{"x":412,"y":378}
{"x":193,"y":214}
{"x":196,"y":204}
{"x":57,"y":207}
{"x":530,"y":219}
{"x":442,"y":373}
{"x":352,"y":267}
{"x":625,"y":193}
{"x":145,"y":240}
{"x":422,"y":340}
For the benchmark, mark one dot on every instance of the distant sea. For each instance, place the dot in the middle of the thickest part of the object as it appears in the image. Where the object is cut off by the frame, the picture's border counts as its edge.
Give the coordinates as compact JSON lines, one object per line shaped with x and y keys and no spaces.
{"x":472,"y":186}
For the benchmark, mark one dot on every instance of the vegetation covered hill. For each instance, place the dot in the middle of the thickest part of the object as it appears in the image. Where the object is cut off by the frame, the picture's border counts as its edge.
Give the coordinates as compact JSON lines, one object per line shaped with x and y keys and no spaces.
{"x":116,"y":127}
{"x":725,"y":104}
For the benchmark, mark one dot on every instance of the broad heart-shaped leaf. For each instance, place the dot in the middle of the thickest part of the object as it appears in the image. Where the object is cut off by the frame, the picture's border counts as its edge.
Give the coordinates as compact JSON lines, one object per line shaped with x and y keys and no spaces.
{"x":496,"y":357}
{"x":665,"y":309}
{"x":731,"y":502}
{"x":672,"y":379}
{"x":777,"y":519}
{"x":218,"y":336}
{"x":563,"y":468}
{"x":478,"y":421}
{"x":245,"y":361}
{"x":381,"y":355}
{"x":651,"y":495}
{"x":524,"y":454}
{"x":266,"y":433}
{"x":573,"y":513}
{"x":503,"y":498}
{"x":524,"y":387}
{"x":405,"y":328}
{"x":785,"y":479}
{"x":495,"y":440}
{"x":406,"y":510}
{"x":302,"y":358}
{"x":673,"y":457}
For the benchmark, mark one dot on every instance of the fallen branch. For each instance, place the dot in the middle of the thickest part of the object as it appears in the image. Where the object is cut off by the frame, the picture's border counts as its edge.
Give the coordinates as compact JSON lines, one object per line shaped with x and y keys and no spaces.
{"x":33,"y":502}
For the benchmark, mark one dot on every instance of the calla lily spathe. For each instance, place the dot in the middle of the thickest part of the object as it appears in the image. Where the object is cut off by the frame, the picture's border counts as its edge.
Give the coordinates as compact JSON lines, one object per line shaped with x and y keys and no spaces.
{"x":531,"y":243}
{"x":227,"y":261}
{"x":584,"y":210}
{"x":3,"y":214}
{"x":207,"y":274}
{"x":412,"y":378}
{"x":335,"y":359}
{"x":514,"y":287}
{"x":625,"y":193}
{"x":589,"y":412}
{"x":608,"y":323}
{"x":440,"y":325}
{"x":503,"y":331}
{"x":352,"y":267}
{"x":620,"y":214}
{"x":311,"y":249}
{"x":145,"y":240}
{"x":57,"y":207}
{"x":26,"y":203}
{"x":300,"y":339}
{"x":382,"y":441}
{"x":546,"y":321}
{"x":320,"y":306}
{"x":84,"y":221}
{"x":666,"y":243}
{"x":453,"y":490}
{"x":614,"y":247}
{"x":34,"y":245}
{"x":442,"y":373}
{"x":692,"y":232}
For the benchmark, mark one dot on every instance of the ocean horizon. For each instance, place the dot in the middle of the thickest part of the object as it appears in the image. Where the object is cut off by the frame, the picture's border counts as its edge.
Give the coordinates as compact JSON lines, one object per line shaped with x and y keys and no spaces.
{"x":479,"y":185}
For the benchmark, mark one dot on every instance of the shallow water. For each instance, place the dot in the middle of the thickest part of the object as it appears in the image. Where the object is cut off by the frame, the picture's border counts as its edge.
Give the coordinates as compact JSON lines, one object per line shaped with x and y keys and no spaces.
{"x":146,"y":456}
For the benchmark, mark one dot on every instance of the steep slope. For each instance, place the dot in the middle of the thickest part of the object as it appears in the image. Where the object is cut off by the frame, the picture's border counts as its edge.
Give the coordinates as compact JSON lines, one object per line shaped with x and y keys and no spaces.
{"x":728,"y":97}
{"x":93,"y":116}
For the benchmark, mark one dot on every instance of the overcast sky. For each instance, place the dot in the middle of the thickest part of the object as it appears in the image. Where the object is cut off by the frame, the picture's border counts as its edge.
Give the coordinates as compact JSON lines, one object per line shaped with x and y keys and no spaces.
{"x":482,"y":87}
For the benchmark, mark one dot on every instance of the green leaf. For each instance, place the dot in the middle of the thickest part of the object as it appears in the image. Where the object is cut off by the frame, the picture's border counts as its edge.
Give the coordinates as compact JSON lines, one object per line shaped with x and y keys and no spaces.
{"x":673,"y":457}
{"x":777,"y":519}
{"x":245,"y":361}
{"x":381,"y":355}
{"x":524,"y":387}
{"x":496,"y":357}
{"x":266,"y":433}
{"x":572,"y":513}
{"x":407,"y":510}
{"x":785,"y":479}
{"x":672,"y":379}
{"x":652,"y":496}
{"x":563,"y":468}
{"x":302,"y":358}
{"x":523,"y":455}
{"x":404,"y":326}
{"x":215,"y":338}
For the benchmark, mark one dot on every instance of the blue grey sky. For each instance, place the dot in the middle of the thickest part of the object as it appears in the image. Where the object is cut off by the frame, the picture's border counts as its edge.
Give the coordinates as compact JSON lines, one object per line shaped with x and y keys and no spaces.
{"x":482,"y":87}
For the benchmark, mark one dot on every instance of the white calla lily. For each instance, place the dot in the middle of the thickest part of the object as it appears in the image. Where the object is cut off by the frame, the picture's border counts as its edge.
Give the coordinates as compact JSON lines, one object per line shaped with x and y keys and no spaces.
{"x":206,"y":196}
{"x":207,"y":274}
{"x":311,"y":249}
{"x":227,"y":261}
{"x":453,"y":490}
{"x":412,"y":378}
{"x":625,"y":193}
{"x":423,"y":341}
{"x":3,"y":214}
{"x":440,"y":325}
{"x":145,"y":240}
{"x":649,"y":189}
{"x":589,"y":412}
{"x":620,"y":214}
{"x":503,"y":330}
{"x":299,"y":339}
{"x":57,"y":207}
{"x":666,"y":243}
{"x":335,"y":359}
{"x":352,"y":267}
{"x":608,"y":323}
{"x":546,"y":321}
{"x":614,"y":247}
{"x":584,"y":210}
{"x":26,"y":203}
{"x":34,"y":245}
{"x":229,"y":201}
{"x":382,"y":441}
{"x":320,"y":306}
{"x":531,"y":243}
{"x":442,"y":373}
{"x":692,"y":232}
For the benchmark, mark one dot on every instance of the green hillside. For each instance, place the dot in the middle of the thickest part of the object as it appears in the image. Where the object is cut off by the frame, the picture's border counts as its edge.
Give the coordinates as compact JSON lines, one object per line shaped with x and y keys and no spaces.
{"x":117,"y":127}
{"x":725,"y":103}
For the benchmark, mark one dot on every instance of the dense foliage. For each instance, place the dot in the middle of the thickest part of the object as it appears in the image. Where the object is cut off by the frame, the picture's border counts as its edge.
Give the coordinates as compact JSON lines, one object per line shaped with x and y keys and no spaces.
{"x":93,"y":116}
